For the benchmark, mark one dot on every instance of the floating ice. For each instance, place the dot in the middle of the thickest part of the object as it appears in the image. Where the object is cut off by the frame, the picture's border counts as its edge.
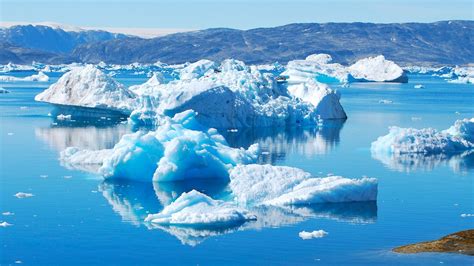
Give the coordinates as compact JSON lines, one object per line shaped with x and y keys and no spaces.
{"x":179,"y":149}
{"x":196,"y":209}
{"x":428,"y":141}
{"x":314,"y":234}
{"x":377,"y":69}
{"x":231,"y":95}
{"x":5,"y":224}
{"x":63,"y":117}
{"x":2,"y":90}
{"x":462,"y":75}
{"x":418,"y":86}
{"x":40,"y":77}
{"x":7,"y":213}
{"x":22,"y":195}
{"x":316,"y":67}
{"x":405,"y":149}
{"x":279,"y":185}
{"x":464,"y":215}
{"x":89,"y":87}
{"x":383,"y":101}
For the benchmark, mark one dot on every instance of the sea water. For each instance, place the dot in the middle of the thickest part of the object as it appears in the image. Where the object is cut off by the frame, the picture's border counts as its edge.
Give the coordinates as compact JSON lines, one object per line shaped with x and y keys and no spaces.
{"x":77,"y":218}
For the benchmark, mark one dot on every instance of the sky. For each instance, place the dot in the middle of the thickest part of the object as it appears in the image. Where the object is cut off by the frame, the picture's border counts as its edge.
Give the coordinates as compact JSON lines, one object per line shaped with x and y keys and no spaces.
{"x":180,"y":15}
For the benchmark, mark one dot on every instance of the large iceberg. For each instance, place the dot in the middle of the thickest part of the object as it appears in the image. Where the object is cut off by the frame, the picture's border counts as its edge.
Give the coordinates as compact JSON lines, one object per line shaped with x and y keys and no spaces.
{"x":377,"y":69}
{"x":196,"y":209}
{"x":463,"y":75}
{"x":89,"y":87}
{"x":229,"y":95}
{"x":179,"y":149}
{"x":428,"y":141}
{"x":279,"y":185}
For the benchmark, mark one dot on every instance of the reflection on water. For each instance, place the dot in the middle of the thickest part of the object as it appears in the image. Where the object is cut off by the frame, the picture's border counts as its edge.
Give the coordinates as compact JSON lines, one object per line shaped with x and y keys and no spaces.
{"x":85,"y":134}
{"x":277,"y":142}
{"x":459,"y":163}
{"x":133,"y":201}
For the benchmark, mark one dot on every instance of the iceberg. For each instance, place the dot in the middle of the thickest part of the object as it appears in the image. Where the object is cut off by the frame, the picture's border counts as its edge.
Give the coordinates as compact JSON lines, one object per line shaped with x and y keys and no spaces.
{"x":91,"y":88}
{"x":256,"y":185}
{"x":314,"y":234}
{"x":463,"y":75}
{"x":455,"y":140}
{"x":377,"y":69}
{"x":180,"y":148}
{"x":229,"y":95}
{"x":316,"y":67}
{"x":40,"y":77}
{"x":4,"y":91}
{"x":196,"y":209}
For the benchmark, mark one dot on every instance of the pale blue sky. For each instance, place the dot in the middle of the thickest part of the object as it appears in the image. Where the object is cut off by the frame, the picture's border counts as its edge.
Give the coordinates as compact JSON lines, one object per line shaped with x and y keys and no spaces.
{"x":243,"y":14}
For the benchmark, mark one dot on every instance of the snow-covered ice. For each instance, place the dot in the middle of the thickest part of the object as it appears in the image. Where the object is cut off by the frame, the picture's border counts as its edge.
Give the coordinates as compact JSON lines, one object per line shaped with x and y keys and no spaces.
{"x":314,"y":234}
{"x":196,"y":209}
{"x":279,"y":185}
{"x":89,"y":87}
{"x":377,"y":69}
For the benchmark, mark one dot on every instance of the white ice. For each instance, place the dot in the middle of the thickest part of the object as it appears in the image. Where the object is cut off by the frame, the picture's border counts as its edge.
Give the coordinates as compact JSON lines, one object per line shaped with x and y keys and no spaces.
{"x":279,"y":185}
{"x":40,"y":77}
{"x":377,"y":69}
{"x":314,"y":234}
{"x":196,"y":209}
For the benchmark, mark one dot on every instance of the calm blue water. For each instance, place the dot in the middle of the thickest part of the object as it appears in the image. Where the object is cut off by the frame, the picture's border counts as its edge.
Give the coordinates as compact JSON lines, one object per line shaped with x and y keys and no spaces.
{"x":76,"y":218}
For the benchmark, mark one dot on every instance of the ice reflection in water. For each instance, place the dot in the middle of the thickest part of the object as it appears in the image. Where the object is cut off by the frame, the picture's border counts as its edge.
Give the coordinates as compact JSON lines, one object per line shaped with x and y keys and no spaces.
{"x":84,"y":134}
{"x":277,"y":142}
{"x":133,"y":201}
{"x":459,"y":163}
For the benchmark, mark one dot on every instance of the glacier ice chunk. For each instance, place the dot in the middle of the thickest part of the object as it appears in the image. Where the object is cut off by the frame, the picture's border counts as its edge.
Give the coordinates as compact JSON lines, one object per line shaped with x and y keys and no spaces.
{"x":279,"y":185}
{"x":314,"y":234}
{"x":89,"y":87}
{"x":196,"y":209}
{"x":180,"y":148}
{"x":377,"y":69}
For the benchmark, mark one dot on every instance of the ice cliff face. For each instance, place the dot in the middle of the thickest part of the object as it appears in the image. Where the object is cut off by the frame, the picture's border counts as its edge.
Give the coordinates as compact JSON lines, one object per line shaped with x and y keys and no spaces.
{"x":377,"y":69}
{"x":89,"y":87}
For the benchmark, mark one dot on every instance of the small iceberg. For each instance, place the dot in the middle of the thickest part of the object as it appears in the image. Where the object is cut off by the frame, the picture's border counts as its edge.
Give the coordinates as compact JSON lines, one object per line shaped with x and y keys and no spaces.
{"x":196,"y":209}
{"x":377,"y":69}
{"x":280,"y":185}
{"x":427,"y":141}
{"x":383,"y":101}
{"x":40,"y":77}
{"x":4,"y":91}
{"x":419,"y":86}
{"x":317,"y":67}
{"x":22,"y":195}
{"x":314,"y":234}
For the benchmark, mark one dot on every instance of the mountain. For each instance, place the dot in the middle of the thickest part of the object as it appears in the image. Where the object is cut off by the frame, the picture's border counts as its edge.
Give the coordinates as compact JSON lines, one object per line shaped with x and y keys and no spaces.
{"x":445,"y":42}
{"x":52,"y":39}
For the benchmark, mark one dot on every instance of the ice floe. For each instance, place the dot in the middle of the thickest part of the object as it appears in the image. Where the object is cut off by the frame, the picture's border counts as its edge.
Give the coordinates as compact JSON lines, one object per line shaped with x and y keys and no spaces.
{"x":197,"y":209}
{"x":314,"y":234}
{"x":279,"y":185}
{"x":2,"y":91}
{"x":377,"y":69}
